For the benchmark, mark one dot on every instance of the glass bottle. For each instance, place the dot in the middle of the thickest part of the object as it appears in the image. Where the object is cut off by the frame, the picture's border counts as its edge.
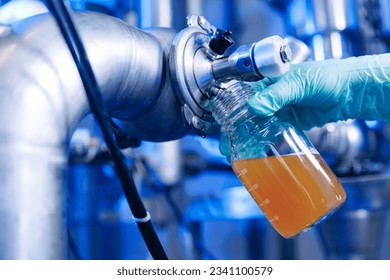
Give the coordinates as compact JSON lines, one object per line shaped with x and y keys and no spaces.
{"x":277,"y":164}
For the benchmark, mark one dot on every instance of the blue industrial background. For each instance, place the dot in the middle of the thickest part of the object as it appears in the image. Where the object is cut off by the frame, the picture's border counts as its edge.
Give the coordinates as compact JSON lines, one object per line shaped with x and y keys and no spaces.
{"x":198,"y":206}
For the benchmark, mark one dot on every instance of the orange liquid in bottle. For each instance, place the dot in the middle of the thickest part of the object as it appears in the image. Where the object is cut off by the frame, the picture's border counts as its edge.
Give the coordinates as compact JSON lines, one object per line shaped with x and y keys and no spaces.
{"x":294,"y":191}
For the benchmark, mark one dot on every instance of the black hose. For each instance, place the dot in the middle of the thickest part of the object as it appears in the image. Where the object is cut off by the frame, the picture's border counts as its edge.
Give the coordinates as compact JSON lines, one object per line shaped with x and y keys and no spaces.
{"x":73,"y":247}
{"x":152,"y":181}
{"x":75,"y":45}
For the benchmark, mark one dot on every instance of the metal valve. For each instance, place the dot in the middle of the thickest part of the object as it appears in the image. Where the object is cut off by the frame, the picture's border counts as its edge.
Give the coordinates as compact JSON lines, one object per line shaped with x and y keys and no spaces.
{"x":269,"y":58}
{"x":197,"y":65}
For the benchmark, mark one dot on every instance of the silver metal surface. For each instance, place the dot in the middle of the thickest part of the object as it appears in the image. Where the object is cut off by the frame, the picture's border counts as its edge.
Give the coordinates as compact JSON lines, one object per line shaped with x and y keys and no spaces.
{"x":42,"y":100}
{"x":169,"y":164}
{"x":197,"y":69}
{"x":191,"y":43}
{"x":155,"y":13}
{"x":13,"y":11}
{"x":240,"y":65}
{"x":357,"y":229}
{"x":328,"y":26}
{"x":269,"y":57}
{"x":316,"y":16}
{"x":342,"y":144}
{"x":300,"y":52}
{"x":159,"y":118}
{"x":353,"y":235}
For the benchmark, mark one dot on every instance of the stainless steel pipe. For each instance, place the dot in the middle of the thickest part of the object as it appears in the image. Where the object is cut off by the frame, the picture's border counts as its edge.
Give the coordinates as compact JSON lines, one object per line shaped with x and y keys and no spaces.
{"x":42,"y":101}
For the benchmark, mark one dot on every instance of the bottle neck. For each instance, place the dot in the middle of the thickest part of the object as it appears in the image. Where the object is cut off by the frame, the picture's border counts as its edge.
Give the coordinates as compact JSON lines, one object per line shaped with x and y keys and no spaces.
{"x":231,"y":104}
{"x":229,"y":109}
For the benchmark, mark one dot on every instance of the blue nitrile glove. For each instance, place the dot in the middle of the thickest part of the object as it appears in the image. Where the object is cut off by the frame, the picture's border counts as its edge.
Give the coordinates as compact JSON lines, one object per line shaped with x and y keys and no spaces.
{"x":314,"y":93}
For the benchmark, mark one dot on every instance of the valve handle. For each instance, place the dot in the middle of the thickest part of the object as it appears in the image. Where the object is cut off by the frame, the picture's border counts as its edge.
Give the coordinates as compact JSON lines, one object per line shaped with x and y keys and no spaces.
{"x":221,"y":41}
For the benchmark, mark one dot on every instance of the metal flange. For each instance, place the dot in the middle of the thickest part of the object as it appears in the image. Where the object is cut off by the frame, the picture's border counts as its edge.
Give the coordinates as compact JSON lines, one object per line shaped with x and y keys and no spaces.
{"x":190,"y":57}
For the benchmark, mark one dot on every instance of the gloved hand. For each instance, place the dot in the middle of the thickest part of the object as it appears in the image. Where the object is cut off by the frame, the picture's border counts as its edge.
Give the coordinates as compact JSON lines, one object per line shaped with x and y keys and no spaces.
{"x":314,"y":93}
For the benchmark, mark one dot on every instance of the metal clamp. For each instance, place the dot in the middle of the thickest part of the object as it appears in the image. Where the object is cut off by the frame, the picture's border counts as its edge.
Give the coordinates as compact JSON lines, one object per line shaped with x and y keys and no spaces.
{"x":190,"y":50}
{"x":197,"y":65}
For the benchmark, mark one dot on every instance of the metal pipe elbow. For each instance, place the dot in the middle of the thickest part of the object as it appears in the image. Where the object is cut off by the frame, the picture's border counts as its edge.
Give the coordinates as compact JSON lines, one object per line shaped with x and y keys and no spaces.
{"x":161,"y":120}
{"x":130,"y":66}
{"x":42,"y":101}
